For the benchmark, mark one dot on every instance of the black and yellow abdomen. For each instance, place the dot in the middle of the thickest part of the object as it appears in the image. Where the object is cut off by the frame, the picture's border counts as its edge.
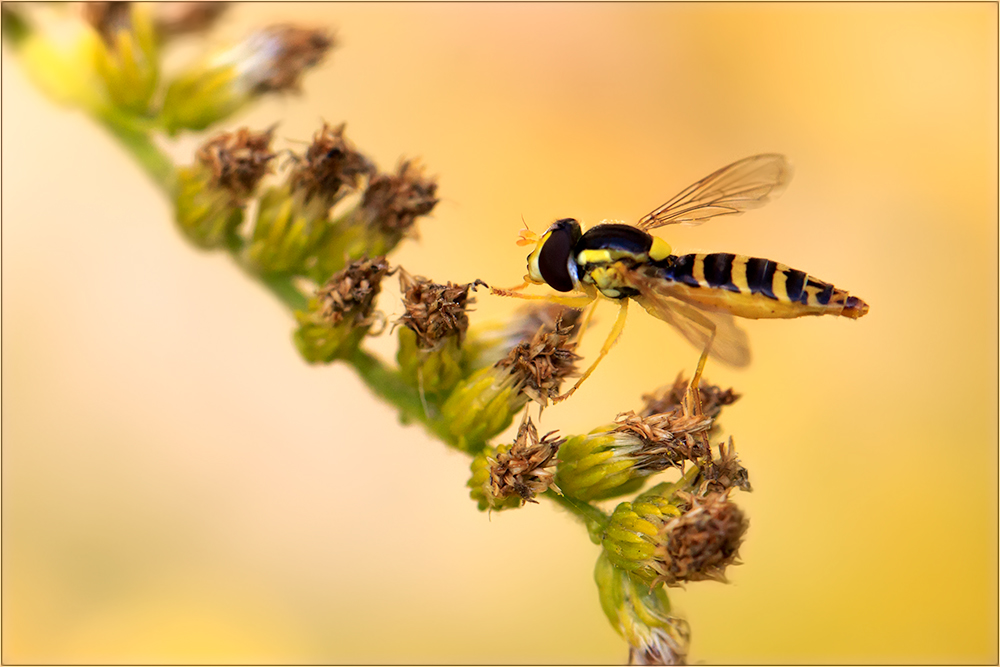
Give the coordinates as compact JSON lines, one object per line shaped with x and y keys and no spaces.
{"x":751,"y":287}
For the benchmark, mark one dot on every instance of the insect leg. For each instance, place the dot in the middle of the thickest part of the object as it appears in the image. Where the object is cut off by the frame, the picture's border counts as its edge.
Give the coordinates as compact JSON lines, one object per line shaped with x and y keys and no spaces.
{"x":578,"y":302}
{"x":585,"y":323}
{"x":693,"y":392}
{"x":616,"y":331}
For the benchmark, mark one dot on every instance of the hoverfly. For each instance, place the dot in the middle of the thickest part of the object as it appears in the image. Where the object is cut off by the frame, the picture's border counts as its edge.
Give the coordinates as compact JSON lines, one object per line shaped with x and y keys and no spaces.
{"x":698,"y":294}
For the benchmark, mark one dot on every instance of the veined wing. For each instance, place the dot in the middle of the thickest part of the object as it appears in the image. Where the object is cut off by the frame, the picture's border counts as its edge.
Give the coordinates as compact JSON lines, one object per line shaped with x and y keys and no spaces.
{"x":748,"y":183}
{"x":731,"y":344}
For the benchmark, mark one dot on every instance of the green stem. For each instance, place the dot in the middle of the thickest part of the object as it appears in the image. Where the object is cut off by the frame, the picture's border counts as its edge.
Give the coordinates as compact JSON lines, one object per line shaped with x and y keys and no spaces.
{"x":140,"y":144}
{"x":667,"y":489}
{"x":593,"y":517}
{"x":389,"y":385}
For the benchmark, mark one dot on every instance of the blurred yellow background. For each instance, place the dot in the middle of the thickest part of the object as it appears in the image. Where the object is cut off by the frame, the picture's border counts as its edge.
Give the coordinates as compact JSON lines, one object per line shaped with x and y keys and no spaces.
{"x":179,"y":486}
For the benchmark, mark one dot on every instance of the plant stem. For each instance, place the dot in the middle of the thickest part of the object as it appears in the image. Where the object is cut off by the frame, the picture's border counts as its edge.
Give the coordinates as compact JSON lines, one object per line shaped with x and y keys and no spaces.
{"x":590,"y":515}
{"x":139,"y":143}
{"x":389,"y":385}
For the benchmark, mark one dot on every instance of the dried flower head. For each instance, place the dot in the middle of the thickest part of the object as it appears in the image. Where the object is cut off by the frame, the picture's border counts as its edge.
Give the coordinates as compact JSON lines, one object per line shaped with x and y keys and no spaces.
{"x":331,"y":163}
{"x":341,"y":314}
{"x":393,"y":202}
{"x":435,"y":312}
{"x":702,"y":542}
{"x":667,"y":438}
{"x":178,"y":18}
{"x":271,"y":59}
{"x":238,"y":161}
{"x":524,"y":468}
{"x":723,"y":473}
{"x":540,"y":365}
{"x":668,"y":397}
{"x":350,"y":293}
{"x":107,"y":18}
{"x":490,"y":342}
{"x":286,"y":51}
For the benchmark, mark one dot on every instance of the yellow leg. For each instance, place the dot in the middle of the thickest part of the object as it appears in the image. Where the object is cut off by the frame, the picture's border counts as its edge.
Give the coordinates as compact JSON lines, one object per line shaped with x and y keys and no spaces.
{"x":693,"y":391}
{"x":578,"y":302}
{"x":616,"y":331}
{"x":585,"y":323}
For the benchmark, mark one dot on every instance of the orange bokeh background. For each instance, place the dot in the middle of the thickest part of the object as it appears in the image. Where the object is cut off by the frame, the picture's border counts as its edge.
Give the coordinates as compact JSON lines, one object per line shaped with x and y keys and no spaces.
{"x":179,"y":486}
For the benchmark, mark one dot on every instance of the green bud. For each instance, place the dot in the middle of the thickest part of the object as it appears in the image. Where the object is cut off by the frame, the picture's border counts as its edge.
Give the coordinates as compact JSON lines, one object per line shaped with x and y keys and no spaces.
{"x":433,"y":371}
{"x":632,"y":534}
{"x":271,"y":59}
{"x":294,"y":231}
{"x":211,"y":193}
{"x":287,"y":231}
{"x":481,"y":406}
{"x":641,"y":615}
{"x":614,"y":460}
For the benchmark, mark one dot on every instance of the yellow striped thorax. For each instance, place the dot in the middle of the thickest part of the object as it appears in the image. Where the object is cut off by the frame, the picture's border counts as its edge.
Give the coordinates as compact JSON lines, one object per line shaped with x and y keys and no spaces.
{"x":565,"y":256}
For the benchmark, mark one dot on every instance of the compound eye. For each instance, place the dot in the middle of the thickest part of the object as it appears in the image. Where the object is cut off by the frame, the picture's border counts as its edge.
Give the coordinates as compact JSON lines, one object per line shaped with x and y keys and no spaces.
{"x":553,"y":259}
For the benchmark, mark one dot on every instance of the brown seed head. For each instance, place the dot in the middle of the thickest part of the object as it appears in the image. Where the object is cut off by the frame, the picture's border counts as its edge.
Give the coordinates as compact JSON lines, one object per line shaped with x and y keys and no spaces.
{"x":668,"y":439}
{"x":526,"y":468}
{"x":702,"y":542}
{"x":350,"y":293}
{"x":541,"y":364}
{"x":238,"y":160}
{"x":664,"y":646}
{"x":393,"y":202}
{"x":724,"y":473}
{"x":433,"y":311}
{"x":292,"y":50}
{"x":107,"y":18}
{"x":177,"y":18}
{"x":331,"y":162}
{"x":544,"y":315}
{"x":668,"y":397}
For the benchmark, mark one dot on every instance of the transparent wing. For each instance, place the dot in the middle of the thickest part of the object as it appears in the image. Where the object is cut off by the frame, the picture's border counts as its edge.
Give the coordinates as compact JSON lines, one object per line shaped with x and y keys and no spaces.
{"x":731,"y":345}
{"x":748,"y":183}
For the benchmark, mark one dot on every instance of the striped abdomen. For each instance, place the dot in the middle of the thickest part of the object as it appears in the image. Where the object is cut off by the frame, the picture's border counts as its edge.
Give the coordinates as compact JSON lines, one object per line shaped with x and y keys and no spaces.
{"x":753,"y":287}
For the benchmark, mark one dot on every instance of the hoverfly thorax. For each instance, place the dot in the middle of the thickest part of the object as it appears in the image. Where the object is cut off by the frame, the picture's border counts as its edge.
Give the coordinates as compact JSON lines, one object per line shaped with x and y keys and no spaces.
{"x":552,"y":260}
